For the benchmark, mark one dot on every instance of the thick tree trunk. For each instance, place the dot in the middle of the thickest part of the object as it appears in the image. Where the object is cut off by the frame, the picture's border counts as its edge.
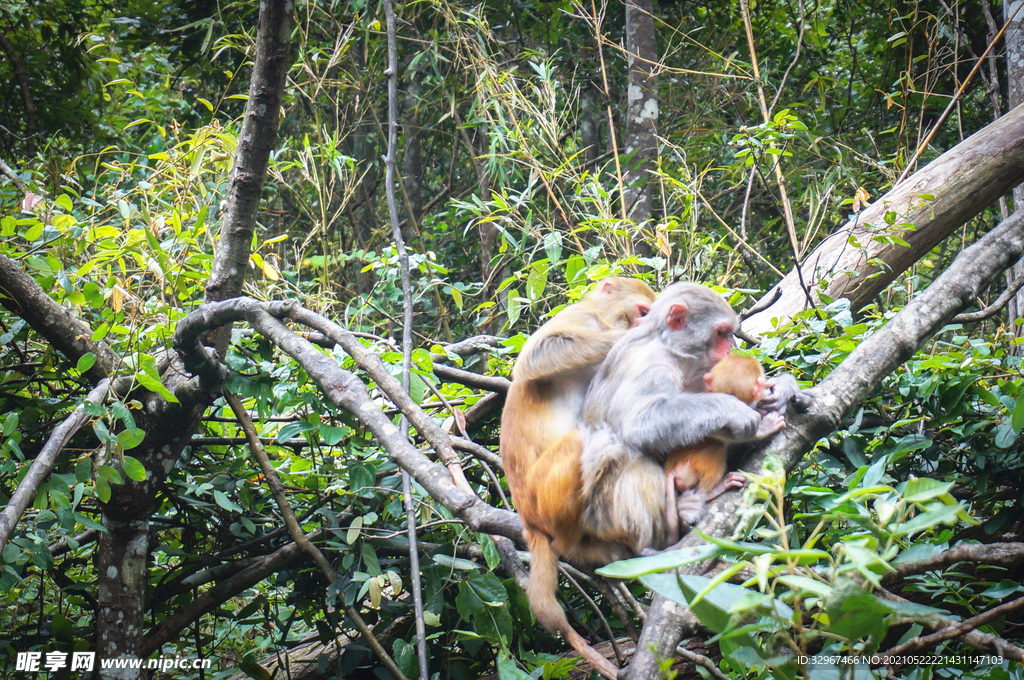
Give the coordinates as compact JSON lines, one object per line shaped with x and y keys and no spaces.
{"x":641,"y":116}
{"x":256,"y":140}
{"x":122,"y":550}
{"x":1015,"y":81}
{"x":120,"y":599}
{"x":860,"y":259}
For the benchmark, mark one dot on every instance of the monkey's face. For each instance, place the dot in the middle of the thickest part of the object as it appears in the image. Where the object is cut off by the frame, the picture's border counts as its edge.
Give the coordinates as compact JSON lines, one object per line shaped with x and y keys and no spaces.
{"x":722,"y":341}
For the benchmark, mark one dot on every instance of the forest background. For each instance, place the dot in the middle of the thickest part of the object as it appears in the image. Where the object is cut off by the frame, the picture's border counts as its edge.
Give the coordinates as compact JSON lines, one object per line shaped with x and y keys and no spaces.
{"x":852,"y":164}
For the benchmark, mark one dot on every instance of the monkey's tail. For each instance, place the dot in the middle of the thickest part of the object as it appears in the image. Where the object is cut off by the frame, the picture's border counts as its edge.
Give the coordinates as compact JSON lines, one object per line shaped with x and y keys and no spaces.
{"x":545,"y":606}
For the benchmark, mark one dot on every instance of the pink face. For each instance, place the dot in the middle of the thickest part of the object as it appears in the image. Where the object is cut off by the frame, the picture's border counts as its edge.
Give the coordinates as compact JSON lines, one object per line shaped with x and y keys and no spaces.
{"x":639,"y":313}
{"x":722,"y":342}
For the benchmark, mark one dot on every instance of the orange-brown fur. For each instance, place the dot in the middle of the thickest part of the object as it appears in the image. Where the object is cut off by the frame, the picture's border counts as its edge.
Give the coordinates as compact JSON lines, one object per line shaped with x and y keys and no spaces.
{"x":703,"y":466}
{"x":543,"y":405}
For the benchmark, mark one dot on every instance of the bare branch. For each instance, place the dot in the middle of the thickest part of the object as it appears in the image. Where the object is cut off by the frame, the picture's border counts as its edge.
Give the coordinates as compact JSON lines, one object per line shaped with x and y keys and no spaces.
{"x":993,"y":554}
{"x":345,"y":390}
{"x":470,"y":379}
{"x":43,"y":464}
{"x":9,"y":172}
{"x":956,"y":629}
{"x":992,"y":309}
{"x":22,"y":296}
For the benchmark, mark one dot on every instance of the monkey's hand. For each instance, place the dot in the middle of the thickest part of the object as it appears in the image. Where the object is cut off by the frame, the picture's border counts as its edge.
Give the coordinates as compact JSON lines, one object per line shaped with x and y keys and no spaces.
{"x":690,"y":506}
{"x":742,"y":423}
{"x":778,"y":392}
{"x":770,"y":424}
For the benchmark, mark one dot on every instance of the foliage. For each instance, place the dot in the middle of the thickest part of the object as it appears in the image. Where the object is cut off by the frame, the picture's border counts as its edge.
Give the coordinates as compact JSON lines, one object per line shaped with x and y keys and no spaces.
{"x":139,"y":111}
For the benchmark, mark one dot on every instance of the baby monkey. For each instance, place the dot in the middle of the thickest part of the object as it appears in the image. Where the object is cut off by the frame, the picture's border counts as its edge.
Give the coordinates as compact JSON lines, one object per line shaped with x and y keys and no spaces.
{"x":696,"y":475}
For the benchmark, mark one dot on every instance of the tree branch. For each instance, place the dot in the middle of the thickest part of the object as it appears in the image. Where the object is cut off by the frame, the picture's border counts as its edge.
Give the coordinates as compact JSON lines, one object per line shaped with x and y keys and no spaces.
{"x":346,"y":391}
{"x":43,"y":464}
{"x":849,"y":384}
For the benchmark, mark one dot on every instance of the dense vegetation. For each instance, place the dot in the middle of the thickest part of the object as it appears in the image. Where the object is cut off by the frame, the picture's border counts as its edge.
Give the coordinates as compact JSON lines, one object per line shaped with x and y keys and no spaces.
{"x":120,"y":124}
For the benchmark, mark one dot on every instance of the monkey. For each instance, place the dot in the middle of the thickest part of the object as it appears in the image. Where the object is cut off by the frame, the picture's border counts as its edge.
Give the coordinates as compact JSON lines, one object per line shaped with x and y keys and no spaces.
{"x":545,"y":401}
{"x":699,"y":471}
{"x":599,"y":494}
{"x":660,"y":360}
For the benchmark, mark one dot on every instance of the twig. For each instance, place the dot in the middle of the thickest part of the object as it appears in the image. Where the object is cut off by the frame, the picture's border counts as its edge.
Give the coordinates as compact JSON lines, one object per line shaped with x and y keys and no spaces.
{"x":992,"y":309}
{"x":300,"y":538}
{"x":44,"y":462}
{"x":787,"y":208}
{"x":10,"y":173}
{"x":956,"y":630}
{"x":481,"y":452}
{"x":470,"y":379}
{"x":702,"y":661}
{"x":403,"y":259}
{"x":470,"y":346}
{"x":764,"y":304}
{"x":956,"y":98}
{"x":992,"y":554}
{"x":599,"y":38}
{"x":600,"y":615}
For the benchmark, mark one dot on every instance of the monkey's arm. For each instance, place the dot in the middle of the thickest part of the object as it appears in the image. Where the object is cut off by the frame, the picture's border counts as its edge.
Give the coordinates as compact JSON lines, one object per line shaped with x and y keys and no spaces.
{"x":566,"y":350}
{"x":659,"y":422}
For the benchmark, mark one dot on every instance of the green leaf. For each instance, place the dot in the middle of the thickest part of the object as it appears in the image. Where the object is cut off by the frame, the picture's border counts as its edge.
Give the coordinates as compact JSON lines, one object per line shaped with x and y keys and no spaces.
{"x":507,"y":669}
{"x":553,"y":246}
{"x":515,"y":307}
{"x":1017,"y":419}
{"x":353,"y":530}
{"x":669,"y":559}
{"x":483,"y":600}
{"x":806,"y":585}
{"x":130,"y":438}
{"x":154,"y":385}
{"x":490,"y":550}
{"x":223,"y":501}
{"x":942,"y":514}
{"x":109,"y":474}
{"x":455,"y":562}
{"x":85,"y":362}
{"x":924,"y":489}
{"x":331,"y":434}
{"x":102,"y":489}
{"x":134,"y":469}
{"x":537,"y":280}
{"x":64,"y":201}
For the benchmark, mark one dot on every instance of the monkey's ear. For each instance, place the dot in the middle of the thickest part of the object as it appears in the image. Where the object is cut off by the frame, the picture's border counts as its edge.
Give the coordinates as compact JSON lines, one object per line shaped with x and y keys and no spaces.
{"x":758,"y":388}
{"x":707,"y":381}
{"x":607,"y":287}
{"x":676,"y":317}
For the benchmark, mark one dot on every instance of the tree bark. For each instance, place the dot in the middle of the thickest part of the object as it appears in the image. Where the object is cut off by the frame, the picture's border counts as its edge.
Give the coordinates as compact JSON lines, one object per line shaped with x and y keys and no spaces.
{"x":860,"y":259}
{"x":256,"y":140}
{"x":122,"y":550}
{"x":838,"y":394}
{"x":641,"y":117}
{"x":1015,"y":81}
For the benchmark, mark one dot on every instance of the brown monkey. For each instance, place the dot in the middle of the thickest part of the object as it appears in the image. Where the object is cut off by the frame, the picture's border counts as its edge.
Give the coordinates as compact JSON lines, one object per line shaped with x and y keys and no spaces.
{"x":555,"y":367}
{"x":699,"y":471}
{"x":545,"y":401}
{"x":646,"y":401}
